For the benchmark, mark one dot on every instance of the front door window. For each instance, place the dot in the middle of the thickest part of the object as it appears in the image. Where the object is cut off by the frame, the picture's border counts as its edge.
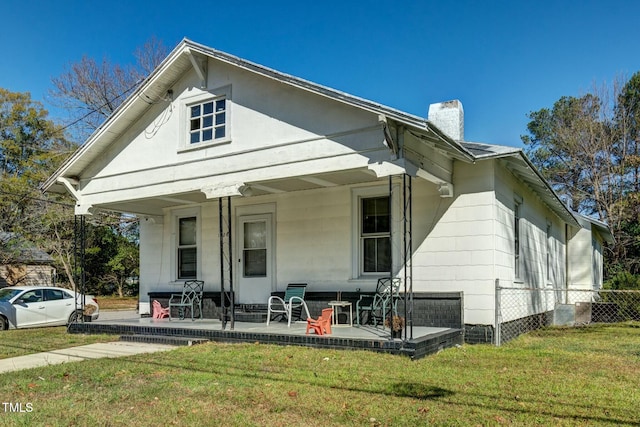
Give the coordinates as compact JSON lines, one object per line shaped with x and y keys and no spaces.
{"x":255,"y":249}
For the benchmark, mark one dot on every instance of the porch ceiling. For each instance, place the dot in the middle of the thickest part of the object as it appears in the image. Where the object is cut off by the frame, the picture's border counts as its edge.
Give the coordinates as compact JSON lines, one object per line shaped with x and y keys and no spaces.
{"x":154,"y":206}
{"x":310,"y":182}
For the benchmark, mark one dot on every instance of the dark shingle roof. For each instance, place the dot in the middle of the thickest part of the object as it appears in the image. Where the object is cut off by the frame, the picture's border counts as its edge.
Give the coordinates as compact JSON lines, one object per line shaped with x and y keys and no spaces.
{"x":22,"y":250}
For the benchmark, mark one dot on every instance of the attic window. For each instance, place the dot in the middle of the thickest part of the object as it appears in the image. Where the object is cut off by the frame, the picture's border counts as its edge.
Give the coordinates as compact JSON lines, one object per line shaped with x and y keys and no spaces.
{"x":208,"y":121}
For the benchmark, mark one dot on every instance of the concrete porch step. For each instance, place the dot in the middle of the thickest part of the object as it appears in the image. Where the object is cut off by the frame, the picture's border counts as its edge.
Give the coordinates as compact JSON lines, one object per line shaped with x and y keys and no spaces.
{"x":163,"y":339}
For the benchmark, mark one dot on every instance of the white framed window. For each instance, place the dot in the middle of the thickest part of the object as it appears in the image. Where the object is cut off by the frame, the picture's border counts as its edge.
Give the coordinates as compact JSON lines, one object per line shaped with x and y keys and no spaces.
{"x":517,"y":207}
{"x":206,"y":119}
{"x":375,"y":234}
{"x":187,"y":256}
{"x":372,"y":232}
{"x":549,"y":250}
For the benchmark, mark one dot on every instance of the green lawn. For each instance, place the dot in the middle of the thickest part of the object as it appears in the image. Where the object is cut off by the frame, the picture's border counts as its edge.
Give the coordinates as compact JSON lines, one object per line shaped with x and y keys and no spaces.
{"x":18,"y":342}
{"x":111,"y":302}
{"x":584,"y":376}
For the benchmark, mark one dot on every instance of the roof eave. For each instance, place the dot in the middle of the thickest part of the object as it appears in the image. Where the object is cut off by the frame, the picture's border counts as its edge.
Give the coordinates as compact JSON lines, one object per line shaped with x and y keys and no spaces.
{"x":362,"y":103}
{"x":134,"y":99}
{"x":558,"y":206}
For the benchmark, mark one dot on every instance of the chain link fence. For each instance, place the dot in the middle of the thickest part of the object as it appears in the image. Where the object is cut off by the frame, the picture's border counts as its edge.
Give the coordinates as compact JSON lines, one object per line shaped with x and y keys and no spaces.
{"x":520,"y":310}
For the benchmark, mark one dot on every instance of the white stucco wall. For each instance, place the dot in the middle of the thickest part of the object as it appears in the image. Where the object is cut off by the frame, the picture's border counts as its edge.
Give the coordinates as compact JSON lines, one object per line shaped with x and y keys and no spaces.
{"x":275,"y":131}
{"x":460,"y":244}
{"x":454,"y":245}
{"x":313,"y":241}
{"x":585,"y":257}
{"x":537,"y":271}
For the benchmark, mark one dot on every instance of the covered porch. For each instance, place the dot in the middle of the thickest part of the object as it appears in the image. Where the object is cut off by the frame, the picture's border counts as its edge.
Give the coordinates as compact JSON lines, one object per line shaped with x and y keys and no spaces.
{"x":425,"y":341}
{"x":314,"y":221}
{"x":296,"y":242}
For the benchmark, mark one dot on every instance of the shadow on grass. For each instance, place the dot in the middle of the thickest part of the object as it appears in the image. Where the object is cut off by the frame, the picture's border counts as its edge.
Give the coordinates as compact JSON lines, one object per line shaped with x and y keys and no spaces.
{"x":418,"y":391}
{"x":411,"y":390}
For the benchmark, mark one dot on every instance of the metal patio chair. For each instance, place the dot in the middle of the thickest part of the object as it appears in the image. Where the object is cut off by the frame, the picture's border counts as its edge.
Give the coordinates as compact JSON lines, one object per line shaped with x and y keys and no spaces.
{"x":291,"y":305}
{"x":191,"y":299}
{"x":381,"y":304}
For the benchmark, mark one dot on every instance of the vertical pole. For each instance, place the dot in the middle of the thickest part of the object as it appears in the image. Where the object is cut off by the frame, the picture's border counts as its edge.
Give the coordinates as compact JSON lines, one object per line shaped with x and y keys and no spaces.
{"x":83,"y":291}
{"x":76,"y":261}
{"x":411,"y":250}
{"x":498,"y":316}
{"x":404,"y":248}
{"x":76,"y":276}
{"x":407,"y":244}
{"x":391,"y":219}
{"x":231,"y":258}
{"x":222,"y":296}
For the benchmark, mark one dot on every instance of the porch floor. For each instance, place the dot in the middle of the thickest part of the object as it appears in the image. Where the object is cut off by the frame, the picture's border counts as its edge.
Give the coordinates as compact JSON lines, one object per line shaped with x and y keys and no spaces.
{"x":426,"y":340}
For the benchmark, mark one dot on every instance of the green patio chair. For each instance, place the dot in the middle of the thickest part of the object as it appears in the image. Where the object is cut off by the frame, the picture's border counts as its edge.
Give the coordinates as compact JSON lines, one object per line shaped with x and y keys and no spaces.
{"x":291,"y":305}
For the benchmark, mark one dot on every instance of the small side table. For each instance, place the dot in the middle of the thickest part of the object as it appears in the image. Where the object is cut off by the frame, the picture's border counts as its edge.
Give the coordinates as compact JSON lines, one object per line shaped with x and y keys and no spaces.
{"x":342,"y":304}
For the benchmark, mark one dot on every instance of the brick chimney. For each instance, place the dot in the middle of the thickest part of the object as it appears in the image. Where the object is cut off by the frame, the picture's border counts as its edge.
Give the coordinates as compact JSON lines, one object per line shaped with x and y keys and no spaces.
{"x":448,"y":116}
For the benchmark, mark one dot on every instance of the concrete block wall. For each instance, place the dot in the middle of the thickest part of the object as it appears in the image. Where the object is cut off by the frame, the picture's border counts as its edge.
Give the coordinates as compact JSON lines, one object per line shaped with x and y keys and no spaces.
{"x":436,"y":309}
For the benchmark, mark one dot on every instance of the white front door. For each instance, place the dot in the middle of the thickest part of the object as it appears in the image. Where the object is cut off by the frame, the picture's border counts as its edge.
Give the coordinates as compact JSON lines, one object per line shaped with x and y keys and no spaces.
{"x":255,"y":259}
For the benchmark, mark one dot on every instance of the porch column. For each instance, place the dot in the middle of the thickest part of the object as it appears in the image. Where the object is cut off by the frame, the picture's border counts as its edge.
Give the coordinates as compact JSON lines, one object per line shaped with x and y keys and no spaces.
{"x":407,"y":219}
{"x":226,"y":263}
{"x":79,"y":265}
{"x":406,"y":198}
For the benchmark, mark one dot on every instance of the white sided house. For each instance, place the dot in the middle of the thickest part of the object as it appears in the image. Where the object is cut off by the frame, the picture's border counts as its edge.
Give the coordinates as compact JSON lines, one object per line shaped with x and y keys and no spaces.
{"x":251,"y":179}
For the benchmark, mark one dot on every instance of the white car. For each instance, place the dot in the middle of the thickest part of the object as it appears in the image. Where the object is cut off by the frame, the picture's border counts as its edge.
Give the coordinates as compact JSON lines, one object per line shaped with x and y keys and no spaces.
{"x":33,"y":306}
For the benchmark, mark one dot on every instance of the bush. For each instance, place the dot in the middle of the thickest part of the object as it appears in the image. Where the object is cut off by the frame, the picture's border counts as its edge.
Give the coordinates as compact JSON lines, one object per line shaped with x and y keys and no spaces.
{"x":623,"y":280}
{"x":627,"y":303}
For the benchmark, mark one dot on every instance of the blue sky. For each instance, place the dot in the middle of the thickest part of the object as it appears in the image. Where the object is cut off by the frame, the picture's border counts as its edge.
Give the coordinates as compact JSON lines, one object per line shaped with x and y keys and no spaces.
{"x":502,"y":59}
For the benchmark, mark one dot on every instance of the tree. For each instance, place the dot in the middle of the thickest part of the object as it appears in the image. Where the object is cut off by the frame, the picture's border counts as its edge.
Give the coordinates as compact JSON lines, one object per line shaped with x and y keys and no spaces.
{"x":91,"y":90}
{"x":587,"y":149}
{"x":31,"y":147}
{"x":627,"y":121}
{"x":124,"y":266}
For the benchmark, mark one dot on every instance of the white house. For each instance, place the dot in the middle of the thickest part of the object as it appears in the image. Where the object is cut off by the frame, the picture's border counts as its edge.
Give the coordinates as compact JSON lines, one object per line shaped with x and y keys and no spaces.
{"x":309,"y":184}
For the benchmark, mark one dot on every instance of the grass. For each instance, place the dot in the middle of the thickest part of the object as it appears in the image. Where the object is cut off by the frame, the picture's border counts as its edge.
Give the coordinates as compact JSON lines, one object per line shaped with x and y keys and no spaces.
{"x":18,"y":342}
{"x":584,"y":376}
{"x":117,"y":303}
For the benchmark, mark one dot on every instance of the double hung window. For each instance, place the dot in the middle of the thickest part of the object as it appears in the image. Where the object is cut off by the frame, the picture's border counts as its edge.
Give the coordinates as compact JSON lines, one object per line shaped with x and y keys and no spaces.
{"x":187,"y":248}
{"x":375,"y":235}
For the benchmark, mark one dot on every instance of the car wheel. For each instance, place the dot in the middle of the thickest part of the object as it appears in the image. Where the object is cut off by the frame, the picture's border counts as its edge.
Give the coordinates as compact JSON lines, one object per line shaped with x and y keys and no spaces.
{"x":4,"y":323}
{"x":74,"y":317}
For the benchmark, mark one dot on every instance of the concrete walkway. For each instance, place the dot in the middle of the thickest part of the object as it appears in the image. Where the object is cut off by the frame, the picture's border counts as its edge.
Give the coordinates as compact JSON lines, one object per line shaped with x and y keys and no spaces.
{"x":76,"y":354}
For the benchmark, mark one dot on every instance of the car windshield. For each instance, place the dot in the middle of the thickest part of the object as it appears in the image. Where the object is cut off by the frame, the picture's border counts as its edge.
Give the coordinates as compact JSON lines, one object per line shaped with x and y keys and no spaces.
{"x":6,"y":294}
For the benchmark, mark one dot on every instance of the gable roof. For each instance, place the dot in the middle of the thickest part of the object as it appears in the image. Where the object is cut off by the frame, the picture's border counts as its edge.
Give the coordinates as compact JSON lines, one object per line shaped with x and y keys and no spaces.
{"x":180,"y":60}
{"x":601,"y":227}
{"x":519,"y":164}
{"x":22,"y":251}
